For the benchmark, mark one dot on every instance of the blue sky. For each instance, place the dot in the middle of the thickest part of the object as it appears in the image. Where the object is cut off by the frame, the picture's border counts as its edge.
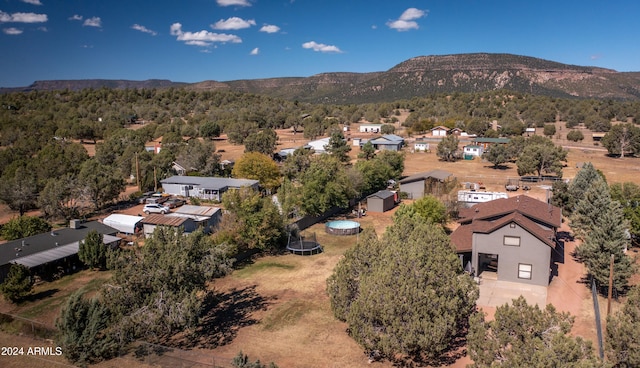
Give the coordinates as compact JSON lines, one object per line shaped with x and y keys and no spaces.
{"x":196,"y":40}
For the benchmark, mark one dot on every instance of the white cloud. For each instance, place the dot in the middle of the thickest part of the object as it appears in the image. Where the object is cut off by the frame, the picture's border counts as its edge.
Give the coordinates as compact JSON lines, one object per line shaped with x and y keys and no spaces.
{"x":407,"y":20}
{"x":75,"y":17}
{"x":201,"y":38}
{"x":93,"y":22}
{"x":320,"y":47}
{"x":32,"y":2}
{"x":233,"y":23}
{"x":197,"y":43}
{"x":22,"y":17}
{"x":255,"y":51}
{"x":12,"y":31}
{"x":412,"y":13}
{"x":233,"y":2}
{"x":143,"y":29}
{"x":269,"y":28}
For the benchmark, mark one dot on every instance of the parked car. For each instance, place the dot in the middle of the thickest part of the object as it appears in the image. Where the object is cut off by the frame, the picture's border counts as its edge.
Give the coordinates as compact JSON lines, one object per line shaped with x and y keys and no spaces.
{"x":157,"y":198}
{"x":155,"y":208}
{"x":143,"y":198}
{"x":174,"y":202}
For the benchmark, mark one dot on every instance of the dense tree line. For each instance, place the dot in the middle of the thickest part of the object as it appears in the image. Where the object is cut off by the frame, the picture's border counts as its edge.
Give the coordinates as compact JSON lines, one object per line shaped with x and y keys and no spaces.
{"x":41,"y":167}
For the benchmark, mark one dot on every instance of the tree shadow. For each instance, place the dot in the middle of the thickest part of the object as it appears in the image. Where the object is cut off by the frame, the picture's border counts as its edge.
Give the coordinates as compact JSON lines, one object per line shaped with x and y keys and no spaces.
{"x":41,"y":295}
{"x":224,"y":314}
{"x":499,"y":167}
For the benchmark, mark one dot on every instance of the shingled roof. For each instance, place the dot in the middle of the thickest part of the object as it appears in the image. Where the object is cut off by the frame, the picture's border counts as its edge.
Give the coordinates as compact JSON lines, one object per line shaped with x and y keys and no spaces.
{"x":537,"y":217}
{"x":532,"y":208}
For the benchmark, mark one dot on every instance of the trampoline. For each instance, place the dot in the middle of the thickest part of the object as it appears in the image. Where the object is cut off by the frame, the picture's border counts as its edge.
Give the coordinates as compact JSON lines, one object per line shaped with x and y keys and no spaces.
{"x":304,"y":245}
{"x":342,"y":227}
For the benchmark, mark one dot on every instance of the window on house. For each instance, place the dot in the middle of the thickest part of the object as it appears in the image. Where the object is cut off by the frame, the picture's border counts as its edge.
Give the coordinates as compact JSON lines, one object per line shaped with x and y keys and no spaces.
{"x":512,"y":240}
{"x":524,"y":271}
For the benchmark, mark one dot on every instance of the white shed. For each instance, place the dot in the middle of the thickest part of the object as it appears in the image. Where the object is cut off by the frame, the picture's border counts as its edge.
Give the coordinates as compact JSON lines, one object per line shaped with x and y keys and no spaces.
{"x":125,"y":224}
{"x":421,"y":146}
{"x":370,"y":128}
{"x":473,"y":150}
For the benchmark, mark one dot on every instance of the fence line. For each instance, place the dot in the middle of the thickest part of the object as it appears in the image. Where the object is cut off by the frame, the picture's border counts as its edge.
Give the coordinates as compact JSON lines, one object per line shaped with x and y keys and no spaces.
{"x":153,"y":354}
{"x":596,"y":309}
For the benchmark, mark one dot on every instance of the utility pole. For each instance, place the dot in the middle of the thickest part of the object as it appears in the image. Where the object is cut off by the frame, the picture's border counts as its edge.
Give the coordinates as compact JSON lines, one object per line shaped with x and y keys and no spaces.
{"x":138,"y":173}
{"x":155,"y":180}
{"x":610,"y":285}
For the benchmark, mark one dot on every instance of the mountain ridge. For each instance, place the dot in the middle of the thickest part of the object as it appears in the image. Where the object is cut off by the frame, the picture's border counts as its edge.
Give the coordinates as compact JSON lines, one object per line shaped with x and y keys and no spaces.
{"x":417,"y":76}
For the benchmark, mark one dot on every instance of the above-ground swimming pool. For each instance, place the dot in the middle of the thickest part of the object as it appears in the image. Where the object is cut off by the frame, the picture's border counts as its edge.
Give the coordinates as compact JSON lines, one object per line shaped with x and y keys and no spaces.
{"x":342,"y":227}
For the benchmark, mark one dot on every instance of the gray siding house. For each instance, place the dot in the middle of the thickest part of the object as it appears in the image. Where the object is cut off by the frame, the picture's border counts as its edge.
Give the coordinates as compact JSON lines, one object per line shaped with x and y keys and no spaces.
{"x":389,"y":142}
{"x":381,"y":201}
{"x":204,"y":187}
{"x":513,"y":237}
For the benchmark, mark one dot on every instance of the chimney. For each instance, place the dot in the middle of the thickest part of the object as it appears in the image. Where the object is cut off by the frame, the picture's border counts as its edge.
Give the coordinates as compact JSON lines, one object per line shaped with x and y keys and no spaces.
{"x":74,"y":224}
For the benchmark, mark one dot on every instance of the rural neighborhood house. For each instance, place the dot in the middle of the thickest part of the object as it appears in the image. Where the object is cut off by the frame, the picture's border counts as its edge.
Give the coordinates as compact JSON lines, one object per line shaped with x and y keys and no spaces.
{"x":512,"y":237}
{"x":44,"y":253}
{"x":210,"y":188}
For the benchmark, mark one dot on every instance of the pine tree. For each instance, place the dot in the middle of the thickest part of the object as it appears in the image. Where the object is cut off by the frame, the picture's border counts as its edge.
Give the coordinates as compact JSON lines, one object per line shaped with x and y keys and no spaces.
{"x":589,"y":207}
{"x":17,"y":284}
{"x":447,"y":148}
{"x":522,"y":335}
{"x":403,"y":296}
{"x":605,"y":238}
{"x":623,"y":333}
{"x":92,"y":251}
{"x":583,"y":180}
{"x":338,"y":146}
{"x":83,"y":330}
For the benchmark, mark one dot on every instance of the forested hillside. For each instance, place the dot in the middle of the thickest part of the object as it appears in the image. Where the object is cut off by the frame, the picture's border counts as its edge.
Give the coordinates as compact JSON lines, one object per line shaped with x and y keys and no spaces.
{"x":40,"y":131}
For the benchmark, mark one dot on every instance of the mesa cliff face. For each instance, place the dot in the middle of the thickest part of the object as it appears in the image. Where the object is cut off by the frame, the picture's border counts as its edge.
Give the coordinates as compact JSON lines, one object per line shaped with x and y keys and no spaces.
{"x":414,"y":77}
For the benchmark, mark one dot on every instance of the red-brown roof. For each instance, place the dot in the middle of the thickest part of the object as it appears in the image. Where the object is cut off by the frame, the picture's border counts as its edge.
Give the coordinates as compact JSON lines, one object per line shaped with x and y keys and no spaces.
{"x":490,"y":216}
{"x":530,"y":207}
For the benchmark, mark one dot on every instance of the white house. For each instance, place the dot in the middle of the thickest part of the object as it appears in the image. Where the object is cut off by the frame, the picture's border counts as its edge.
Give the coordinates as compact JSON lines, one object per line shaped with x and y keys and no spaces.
{"x":473,"y":150}
{"x":439,"y":131}
{"x":421,"y":146}
{"x":370,"y":128}
{"x":318,"y":145}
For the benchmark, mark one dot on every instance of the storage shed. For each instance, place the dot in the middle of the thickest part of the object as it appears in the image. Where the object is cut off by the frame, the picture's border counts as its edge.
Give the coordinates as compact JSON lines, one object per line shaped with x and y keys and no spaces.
{"x":381,"y":201}
{"x":150,"y":223}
